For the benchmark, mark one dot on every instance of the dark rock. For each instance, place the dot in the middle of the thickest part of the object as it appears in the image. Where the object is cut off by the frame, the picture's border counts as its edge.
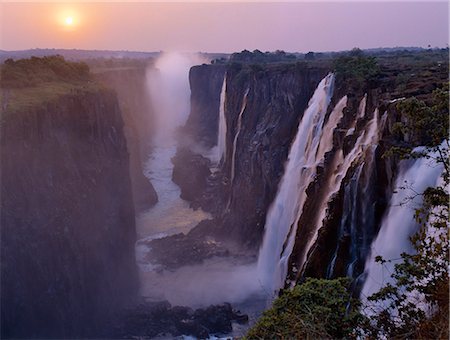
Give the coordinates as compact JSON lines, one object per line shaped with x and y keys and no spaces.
{"x":206,"y":84}
{"x":190,"y":172}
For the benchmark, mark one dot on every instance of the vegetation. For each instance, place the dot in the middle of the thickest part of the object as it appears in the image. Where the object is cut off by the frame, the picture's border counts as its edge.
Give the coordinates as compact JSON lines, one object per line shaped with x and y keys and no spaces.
{"x":315,"y":309}
{"x":424,"y":124}
{"x":356,"y":67}
{"x":259,"y":57}
{"x":27,"y":83}
{"x":35,"y":71}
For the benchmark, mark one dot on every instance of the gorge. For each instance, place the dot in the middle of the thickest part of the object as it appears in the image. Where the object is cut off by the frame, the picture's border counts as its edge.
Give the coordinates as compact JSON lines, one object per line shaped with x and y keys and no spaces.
{"x":191,"y":181}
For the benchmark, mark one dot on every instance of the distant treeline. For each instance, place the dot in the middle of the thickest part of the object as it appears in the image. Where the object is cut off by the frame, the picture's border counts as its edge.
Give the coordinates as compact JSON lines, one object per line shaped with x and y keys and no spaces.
{"x":34,"y":71}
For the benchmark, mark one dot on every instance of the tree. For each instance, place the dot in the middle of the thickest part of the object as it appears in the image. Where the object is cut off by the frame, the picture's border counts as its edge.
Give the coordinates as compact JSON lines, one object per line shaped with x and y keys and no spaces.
{"x":317,"y":308}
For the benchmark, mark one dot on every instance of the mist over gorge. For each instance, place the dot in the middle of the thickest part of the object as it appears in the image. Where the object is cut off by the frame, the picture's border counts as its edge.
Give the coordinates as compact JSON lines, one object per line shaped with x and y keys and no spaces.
{"x":182,"y":193}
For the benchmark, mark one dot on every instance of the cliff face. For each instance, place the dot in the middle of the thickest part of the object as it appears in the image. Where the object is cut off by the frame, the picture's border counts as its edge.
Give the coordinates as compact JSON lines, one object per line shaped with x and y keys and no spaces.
{"x":205,"y":83}
{"x":135,"y":104}
{"x":67,"y":218}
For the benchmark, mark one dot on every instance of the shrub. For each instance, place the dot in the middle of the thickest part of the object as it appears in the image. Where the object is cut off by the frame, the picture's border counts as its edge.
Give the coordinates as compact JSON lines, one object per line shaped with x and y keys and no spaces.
{"x":318,"y":308}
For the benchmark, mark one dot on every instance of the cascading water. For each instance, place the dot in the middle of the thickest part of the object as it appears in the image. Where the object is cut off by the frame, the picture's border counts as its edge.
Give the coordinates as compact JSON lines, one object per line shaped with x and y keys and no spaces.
{"x":236,"y":136}
{"x":284,"y":210}
{"x":222,"y":133}
{"x":398,"y":223}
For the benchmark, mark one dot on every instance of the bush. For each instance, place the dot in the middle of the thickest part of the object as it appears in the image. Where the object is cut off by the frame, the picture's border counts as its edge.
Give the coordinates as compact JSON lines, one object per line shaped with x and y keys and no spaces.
{"x":318,"y":308}
{"x":356,"y":68}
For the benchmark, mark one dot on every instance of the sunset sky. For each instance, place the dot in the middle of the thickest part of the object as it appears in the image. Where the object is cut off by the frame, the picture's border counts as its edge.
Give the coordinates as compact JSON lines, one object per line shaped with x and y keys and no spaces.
{"x":223,"y":27}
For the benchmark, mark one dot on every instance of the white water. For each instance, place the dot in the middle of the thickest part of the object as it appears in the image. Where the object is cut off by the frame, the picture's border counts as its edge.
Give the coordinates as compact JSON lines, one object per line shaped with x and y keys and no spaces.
{"x":398,"y":223}
{"x":326,"y":141}
{"x":362,"y":107}
{"x":222,"y":132}
{"x":283,"y":212}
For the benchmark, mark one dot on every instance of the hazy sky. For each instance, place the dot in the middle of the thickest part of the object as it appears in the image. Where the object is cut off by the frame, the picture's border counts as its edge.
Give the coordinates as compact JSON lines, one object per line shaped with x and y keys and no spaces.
{"x":223,"y":27}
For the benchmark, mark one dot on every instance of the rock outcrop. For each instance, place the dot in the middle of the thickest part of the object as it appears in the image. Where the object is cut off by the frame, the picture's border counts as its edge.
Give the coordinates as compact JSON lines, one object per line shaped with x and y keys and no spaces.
{"x":205,"y":83}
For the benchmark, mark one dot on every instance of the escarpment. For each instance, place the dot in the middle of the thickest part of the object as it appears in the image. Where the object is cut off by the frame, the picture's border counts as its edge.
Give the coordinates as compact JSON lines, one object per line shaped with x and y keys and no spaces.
{"x":130,"y":84}
{"x":67,"y":216}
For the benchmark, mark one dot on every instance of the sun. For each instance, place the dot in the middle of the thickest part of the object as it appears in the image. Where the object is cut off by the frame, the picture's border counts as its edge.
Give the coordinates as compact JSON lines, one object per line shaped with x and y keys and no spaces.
{"x":68,"y":21}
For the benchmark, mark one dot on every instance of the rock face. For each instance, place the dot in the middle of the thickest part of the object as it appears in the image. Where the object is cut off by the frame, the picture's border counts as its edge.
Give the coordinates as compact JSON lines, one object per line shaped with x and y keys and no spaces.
{"x":206,"y":83}
{"x":190,"y":172}
{"x":135,"y":104}
{"x":67,"y":217}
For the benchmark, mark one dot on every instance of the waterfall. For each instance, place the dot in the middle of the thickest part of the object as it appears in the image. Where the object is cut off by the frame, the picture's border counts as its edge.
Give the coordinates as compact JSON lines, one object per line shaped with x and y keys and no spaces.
{"x":236,"y":136}
{"x":222,"y":132}
{"x":398,"y":223}
{"x":283,"y":212}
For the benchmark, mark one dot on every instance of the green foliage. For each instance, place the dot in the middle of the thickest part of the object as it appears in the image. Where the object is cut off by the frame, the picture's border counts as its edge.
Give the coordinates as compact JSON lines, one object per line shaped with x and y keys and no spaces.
{"x":317,"y":308}
{"x":356,"y":68}
{"x":34,"y":71}
{"x":425,"y":124}
{"x":259,"y":57}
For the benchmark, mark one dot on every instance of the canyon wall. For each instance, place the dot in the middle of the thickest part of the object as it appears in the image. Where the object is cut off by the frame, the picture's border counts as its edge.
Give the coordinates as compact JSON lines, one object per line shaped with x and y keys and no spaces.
{"x":67,"y":216}
{"x":130,"y":84}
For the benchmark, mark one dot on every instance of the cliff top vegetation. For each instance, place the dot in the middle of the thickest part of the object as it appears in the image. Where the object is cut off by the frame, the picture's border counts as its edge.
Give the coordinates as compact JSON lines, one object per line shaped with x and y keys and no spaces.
{"x":27,"y":83}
